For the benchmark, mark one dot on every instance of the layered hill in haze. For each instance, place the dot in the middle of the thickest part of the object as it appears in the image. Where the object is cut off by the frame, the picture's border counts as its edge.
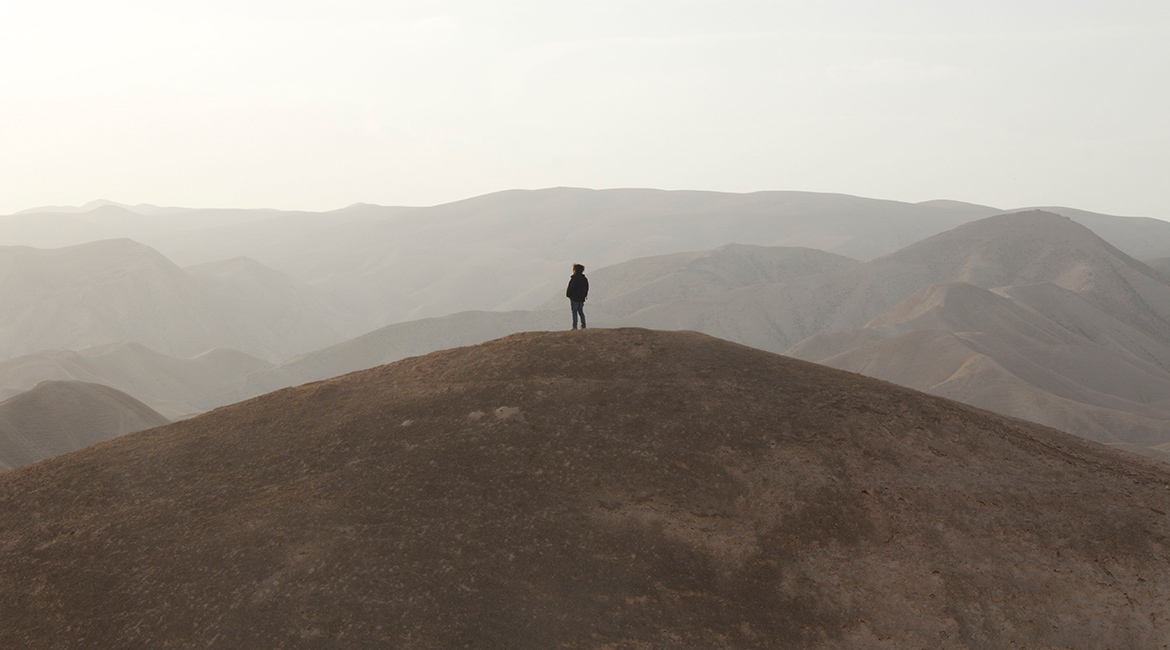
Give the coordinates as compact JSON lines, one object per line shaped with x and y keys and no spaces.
{"x":1008,"y":250}
{"x":174,"y":387}
{"x":324,"y":286}
{"x":117,"y":291}
{"x":1075,"y":335}
{"x":59,"y":416}
{"x":509,"y":250}
{"x":619,"y":290}
{"x":623,"y":289}
{"x":621,"y":488}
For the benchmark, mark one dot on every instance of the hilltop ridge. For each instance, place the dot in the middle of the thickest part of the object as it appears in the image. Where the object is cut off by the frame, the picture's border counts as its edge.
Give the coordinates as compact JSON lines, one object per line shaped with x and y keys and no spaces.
{"x":628,"y":488}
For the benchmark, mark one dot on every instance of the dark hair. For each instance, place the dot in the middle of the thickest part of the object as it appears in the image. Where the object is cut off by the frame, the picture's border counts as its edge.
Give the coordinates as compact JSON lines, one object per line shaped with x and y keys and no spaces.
{"x":578,"y":268}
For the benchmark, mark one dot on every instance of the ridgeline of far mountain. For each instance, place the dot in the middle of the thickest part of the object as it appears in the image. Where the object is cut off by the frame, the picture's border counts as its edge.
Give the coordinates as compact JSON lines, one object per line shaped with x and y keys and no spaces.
{"x":57,"y":417}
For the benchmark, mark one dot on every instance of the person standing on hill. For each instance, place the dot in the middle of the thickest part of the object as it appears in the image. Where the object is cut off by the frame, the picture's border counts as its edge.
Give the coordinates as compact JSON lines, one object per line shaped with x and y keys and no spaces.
{"x":577,"y":292}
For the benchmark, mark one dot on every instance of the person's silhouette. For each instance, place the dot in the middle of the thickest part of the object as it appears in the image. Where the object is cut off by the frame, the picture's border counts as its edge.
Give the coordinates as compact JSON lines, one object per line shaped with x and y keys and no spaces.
{"x":577,"y":292}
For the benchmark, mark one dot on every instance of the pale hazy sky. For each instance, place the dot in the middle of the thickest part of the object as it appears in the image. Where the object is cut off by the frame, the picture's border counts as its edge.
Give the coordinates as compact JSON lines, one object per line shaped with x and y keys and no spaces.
{"x":316,"y":105}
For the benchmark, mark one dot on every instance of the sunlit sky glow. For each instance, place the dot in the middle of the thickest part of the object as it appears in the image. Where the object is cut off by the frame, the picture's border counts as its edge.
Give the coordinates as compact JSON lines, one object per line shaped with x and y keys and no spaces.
{"x":317,"y":105}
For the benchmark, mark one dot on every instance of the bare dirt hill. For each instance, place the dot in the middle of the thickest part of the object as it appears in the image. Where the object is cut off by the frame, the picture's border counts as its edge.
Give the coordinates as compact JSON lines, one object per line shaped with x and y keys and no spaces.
{"x":595,"y":489}
{"x":57,"y":417}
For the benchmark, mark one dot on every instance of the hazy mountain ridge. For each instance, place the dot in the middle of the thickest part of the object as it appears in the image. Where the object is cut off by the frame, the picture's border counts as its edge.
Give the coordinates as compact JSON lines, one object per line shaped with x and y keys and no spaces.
{"x":57,"y":417}
{"x":998,"y":251}
{"x":172,"y":386}
{"x":628,"y":287}
{"x":1088,"y":357}
{"x":114,"y":291}
{"x":577,"y":489}
{"x":1075,"y":335}
{"x":768,"y":297}
{"x":266,"y":299}
{"x":977,"y":369}
{"x":509,"y":250}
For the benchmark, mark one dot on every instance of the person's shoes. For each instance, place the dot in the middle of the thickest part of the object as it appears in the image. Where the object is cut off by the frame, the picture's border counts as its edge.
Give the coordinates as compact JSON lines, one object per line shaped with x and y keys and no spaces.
{"x":582,"y":327}
{"x":574,"y":327}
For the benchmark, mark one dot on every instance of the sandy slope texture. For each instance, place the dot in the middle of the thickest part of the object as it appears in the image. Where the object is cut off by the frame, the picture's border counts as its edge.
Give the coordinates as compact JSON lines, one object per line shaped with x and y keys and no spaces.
{"x":60,"y":416}
{"x":626,"y":489}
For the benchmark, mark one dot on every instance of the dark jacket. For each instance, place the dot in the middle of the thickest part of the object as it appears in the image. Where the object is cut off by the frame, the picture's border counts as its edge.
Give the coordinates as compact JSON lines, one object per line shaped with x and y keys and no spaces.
{"x":578,"y":288}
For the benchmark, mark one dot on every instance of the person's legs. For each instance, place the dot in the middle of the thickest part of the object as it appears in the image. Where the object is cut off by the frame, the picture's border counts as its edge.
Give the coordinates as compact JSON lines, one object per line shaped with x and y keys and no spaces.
{"x":578,"y":308}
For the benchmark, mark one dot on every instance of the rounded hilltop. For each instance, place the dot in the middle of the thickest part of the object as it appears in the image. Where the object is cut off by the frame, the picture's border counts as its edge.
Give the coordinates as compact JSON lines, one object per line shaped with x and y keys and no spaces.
{"x":591,"y":489}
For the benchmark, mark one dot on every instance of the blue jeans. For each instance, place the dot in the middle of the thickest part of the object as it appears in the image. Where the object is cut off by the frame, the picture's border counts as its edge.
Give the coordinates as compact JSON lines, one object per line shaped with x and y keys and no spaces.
{"x":578,"y":308}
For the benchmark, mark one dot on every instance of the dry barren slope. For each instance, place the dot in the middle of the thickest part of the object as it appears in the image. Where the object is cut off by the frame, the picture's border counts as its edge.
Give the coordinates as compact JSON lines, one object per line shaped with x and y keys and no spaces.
{"x":57,"y":417}
{"x":622,"y":488}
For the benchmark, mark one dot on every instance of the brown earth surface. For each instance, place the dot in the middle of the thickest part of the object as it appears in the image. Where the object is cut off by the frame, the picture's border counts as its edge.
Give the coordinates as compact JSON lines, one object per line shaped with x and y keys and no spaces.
{"x":590,"y":489}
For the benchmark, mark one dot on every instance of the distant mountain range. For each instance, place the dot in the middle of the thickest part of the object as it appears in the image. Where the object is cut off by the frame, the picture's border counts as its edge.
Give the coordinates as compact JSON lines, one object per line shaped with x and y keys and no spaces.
{"x":1030,"y":314}
{"x":118,"y":290}
{"x":175,"y":387}
{"x":1076,"y":334}
{"x":509,"y":250}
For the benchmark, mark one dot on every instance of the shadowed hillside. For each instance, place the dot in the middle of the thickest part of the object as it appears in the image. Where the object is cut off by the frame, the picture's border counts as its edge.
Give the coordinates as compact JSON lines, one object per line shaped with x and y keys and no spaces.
{"x":624,"y":489}
{"x":60,"y":416}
